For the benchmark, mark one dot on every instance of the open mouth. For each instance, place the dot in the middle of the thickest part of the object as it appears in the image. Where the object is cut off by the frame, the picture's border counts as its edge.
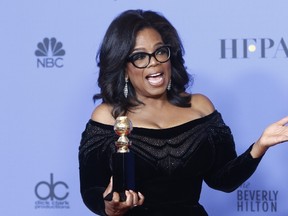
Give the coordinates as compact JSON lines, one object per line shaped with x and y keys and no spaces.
{"x":155,"y":79}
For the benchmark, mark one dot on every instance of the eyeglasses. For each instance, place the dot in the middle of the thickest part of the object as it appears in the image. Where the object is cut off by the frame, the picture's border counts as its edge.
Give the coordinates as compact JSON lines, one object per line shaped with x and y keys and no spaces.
{"x":142,"y":59}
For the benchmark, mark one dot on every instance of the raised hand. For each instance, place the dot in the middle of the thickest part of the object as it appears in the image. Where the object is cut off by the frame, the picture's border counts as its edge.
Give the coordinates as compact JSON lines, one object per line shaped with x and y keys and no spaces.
{"x":274,"y":134}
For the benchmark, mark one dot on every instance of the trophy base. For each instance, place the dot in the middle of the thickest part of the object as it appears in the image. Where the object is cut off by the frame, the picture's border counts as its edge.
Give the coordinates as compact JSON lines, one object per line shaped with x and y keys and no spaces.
{"x":123,"y":174}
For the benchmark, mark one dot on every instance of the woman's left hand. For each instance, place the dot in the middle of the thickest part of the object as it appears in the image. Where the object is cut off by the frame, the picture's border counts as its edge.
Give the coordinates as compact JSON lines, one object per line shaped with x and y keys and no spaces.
{"x":274,"y":134}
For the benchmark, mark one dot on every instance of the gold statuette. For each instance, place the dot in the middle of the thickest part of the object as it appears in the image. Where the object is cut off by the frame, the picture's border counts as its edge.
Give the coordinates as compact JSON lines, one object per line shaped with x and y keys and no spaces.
{"x":122,"y":128}
{"x":123,"y":168}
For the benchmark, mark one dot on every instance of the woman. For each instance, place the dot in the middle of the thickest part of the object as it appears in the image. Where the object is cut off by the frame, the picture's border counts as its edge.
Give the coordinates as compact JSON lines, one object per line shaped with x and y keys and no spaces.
{"x":179,"y":140}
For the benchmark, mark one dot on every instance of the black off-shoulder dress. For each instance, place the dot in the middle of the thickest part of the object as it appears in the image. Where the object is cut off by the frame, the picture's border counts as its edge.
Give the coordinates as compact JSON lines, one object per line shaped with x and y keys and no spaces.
{"x":171,"y":165}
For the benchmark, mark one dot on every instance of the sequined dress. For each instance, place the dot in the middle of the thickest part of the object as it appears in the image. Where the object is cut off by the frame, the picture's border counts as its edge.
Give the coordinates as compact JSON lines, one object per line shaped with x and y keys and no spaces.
{"x":171,"y":165}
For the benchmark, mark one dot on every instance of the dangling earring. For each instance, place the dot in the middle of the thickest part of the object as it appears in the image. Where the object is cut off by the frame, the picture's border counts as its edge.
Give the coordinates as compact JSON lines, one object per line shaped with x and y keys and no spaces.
{"x":126,"y":87}
{"x":169,"y":85}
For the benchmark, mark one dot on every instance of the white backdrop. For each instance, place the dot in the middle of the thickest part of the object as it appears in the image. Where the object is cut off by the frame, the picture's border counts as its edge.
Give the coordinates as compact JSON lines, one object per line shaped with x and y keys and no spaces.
{"x":236,"y":50}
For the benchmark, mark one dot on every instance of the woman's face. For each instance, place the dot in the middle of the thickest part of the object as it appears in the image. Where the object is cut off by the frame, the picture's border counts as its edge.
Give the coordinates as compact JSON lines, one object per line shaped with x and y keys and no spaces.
{"x":153,"y":80}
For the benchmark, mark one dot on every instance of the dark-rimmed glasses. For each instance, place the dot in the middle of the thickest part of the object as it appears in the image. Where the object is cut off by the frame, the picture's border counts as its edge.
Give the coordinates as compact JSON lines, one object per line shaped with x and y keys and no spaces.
{"x":142,"y":59}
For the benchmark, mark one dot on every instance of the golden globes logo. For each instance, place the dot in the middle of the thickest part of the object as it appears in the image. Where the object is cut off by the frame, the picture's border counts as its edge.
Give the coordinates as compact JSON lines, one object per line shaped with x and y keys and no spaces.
{"x":247,"y":48}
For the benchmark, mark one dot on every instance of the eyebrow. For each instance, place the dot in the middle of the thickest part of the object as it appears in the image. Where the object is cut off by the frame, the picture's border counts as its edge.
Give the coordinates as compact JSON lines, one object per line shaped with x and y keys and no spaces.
{"x":142,"y":49}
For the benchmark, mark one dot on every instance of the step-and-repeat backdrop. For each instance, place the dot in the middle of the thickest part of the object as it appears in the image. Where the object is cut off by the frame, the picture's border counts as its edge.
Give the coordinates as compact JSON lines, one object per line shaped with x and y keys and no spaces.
{"x":237,"y":52}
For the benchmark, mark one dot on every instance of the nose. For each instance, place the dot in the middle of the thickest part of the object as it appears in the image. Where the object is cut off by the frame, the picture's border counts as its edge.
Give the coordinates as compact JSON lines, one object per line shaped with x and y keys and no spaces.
{"x":153,"y":62}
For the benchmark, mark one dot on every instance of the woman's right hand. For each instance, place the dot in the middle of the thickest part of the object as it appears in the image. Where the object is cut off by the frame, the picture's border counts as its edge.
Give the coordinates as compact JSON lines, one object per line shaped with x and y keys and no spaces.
{"x":117,"y":208}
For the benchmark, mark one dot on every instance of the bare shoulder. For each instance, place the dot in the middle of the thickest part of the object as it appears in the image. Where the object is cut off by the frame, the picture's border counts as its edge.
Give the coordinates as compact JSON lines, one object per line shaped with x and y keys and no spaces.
{"x":202,"y":103}
{"x":102,"y":114}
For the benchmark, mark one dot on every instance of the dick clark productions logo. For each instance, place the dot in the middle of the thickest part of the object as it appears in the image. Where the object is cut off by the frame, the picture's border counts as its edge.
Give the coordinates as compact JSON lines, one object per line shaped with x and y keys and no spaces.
{"x":51,"y":194}
{"x":50,"y":53}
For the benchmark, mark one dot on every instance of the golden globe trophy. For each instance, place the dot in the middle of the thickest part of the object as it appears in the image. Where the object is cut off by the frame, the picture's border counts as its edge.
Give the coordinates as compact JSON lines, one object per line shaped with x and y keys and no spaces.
{"x":123,"y":160}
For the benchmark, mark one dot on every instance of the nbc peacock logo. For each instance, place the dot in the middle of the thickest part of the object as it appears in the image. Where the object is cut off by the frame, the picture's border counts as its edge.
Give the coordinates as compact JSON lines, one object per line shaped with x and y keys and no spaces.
{"x":50,"y":53}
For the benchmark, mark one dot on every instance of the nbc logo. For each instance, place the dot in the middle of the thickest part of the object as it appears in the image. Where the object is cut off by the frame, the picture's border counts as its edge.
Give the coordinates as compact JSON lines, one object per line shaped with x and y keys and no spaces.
{"x":49,"y":53}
